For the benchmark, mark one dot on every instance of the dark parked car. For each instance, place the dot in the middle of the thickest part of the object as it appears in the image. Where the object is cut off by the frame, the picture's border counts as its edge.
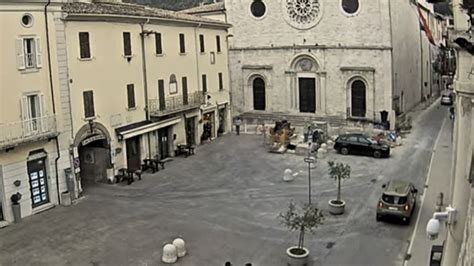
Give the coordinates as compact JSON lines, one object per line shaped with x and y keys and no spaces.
{"x":398,"y":200}
{"x":361,"y":144}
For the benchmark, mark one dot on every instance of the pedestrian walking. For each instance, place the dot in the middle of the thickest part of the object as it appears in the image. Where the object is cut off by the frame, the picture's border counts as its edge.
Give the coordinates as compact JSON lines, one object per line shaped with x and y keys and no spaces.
{"x":238,"y":122}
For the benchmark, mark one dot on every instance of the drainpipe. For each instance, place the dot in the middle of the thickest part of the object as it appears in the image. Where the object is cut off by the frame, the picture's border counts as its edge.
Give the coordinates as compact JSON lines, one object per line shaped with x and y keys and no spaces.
{"x":51,"y":86}
{"x":145,"y":83}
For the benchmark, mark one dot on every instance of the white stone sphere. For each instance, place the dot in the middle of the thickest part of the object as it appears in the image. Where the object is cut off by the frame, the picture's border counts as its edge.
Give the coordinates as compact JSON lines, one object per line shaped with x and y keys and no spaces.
{"x":169,"y":254}
{"x":180,"y":247}
{"x":324,"y":146}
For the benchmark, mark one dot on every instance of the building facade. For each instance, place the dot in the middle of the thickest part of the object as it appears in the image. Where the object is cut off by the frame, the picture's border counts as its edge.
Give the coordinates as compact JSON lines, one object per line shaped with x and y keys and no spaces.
{"x":91,"y":87}
{"x":323,"y":59}
{"x":144,"y":80}
{"x":33,"y":153}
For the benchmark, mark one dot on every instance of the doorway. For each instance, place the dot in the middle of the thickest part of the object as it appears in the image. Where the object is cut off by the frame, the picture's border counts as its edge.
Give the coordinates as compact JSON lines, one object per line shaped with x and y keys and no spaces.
{"x":222,"y":120}
{"x":307,"y":93}
{"x":38,"y":180}
{"x":258,"y":94}
{"x":358,"y":99}
{"x":133,"y":153}
{"x":163,"y":142}
{"x":94,"y":159}
{"x":190,"y":131}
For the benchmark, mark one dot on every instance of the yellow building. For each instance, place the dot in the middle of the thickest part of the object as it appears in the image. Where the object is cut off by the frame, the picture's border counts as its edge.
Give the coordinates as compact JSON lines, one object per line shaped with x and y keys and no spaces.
{"x":92,"y":87}
{"x":142,"y":81}
{"x":33,"y":154}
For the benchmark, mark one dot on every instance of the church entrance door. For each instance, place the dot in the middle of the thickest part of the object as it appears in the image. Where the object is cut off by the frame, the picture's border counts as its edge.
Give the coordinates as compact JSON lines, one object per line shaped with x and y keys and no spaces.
{"x":307,"y":93}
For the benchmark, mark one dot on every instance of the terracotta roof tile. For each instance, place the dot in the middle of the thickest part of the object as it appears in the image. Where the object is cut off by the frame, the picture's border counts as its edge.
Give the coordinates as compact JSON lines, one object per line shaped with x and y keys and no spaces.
{"x":219,"y":6}
{"x":133,"y":10}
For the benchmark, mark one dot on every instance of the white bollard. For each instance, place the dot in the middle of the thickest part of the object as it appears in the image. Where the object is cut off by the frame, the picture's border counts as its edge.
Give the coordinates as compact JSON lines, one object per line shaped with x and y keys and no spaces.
{"x":169,"y":254}
{"x":288,"y":177}
{"x":324,"y":146}
{"x":180,"y":247}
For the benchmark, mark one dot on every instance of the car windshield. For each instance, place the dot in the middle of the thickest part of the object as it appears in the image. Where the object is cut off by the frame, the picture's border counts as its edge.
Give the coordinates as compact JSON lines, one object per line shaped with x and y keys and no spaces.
{"x":394,"y":199}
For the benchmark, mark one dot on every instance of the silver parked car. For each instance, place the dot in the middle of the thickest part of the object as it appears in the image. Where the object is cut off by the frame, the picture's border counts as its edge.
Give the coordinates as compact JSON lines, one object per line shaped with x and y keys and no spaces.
{"x":447,"y":97}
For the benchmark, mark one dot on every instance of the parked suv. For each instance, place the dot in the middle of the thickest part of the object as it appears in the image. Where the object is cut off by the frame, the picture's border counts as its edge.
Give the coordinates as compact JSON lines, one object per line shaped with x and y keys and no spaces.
{"x":360,"y":144}
{"x":398,"y":200}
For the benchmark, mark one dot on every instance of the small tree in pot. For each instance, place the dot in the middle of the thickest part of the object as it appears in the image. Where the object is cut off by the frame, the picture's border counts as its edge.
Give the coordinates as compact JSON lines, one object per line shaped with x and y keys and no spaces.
{"x":306,"y":219}
{"x":338,"y":172}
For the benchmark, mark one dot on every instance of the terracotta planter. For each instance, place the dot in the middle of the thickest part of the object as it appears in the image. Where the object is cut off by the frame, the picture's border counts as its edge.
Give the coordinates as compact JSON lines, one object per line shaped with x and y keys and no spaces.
{"x":336,"y":207}
{"x":297,"y":256}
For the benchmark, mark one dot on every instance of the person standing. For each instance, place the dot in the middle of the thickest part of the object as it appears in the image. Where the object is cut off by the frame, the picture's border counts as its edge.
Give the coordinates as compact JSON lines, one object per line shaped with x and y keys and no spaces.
{"x":238,"y":122}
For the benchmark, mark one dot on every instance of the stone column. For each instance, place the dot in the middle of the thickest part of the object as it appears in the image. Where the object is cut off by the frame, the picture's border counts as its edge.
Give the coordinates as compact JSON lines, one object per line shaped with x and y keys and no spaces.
{"x":323,"y":100}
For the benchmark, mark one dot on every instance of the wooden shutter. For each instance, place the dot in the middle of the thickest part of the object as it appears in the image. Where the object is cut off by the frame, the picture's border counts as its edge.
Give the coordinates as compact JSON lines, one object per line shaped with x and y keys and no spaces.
{"x":25,"y":116}
{"x":218,"y":43}
{"x":184,"y":81}
{"x":39,"y":58}
{"x":131,"y":95}
{"x":201,"y":43}
{"x":221,"y":83}
{"x":89,"y":110}
{"x":159,"y":48}
{"x":127,"y":45}
{"x":204,"y":84}
{"x":42,"y":119}
{"x":20,"y":54}
{"x":84,"y":45}
{"x":182,"y":44}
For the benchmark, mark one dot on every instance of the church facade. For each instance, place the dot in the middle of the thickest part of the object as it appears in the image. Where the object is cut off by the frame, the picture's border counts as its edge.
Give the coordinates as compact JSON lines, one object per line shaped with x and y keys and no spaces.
{"x":323,"y":59}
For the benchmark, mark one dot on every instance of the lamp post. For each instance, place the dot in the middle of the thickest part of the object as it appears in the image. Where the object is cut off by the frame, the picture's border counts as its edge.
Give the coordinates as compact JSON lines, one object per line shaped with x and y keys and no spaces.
{"x":309,"y":160}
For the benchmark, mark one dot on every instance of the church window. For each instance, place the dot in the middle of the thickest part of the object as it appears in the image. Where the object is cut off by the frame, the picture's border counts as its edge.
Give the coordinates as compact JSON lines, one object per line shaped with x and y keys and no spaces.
{"x":302,"y":14}
{"x":258,"y":8}
{"x":350,"y":7}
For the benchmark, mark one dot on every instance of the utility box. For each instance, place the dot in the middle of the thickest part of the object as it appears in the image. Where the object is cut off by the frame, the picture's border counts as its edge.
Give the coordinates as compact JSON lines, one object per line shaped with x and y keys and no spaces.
{"x":436,"y":255}
{"x":70,"y":183}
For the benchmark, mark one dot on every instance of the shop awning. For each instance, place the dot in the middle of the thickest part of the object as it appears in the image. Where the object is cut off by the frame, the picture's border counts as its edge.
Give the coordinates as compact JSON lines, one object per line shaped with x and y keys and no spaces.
{"x":143,"y":127}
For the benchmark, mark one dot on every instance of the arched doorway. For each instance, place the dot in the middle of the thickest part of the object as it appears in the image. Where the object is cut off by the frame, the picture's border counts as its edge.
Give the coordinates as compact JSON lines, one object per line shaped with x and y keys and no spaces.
{"x":258,"y":86}
{"x":358,"y":98}
{"x":304,"y":93}
{"x":93,"y":145}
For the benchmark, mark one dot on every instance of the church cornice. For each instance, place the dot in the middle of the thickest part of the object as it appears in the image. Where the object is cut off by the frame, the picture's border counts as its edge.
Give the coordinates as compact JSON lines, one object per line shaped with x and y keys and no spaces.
{"x":318,"y":47}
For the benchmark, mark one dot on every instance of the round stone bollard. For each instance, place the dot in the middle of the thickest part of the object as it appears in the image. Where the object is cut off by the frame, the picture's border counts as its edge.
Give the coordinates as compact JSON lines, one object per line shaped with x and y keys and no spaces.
{"x":324,"y":146}
{"x":169,"y":254}
{"x":288,"y":177}
{"x":330,"y":143}
{"x":180,"y":247}
{"x":321,"y":153}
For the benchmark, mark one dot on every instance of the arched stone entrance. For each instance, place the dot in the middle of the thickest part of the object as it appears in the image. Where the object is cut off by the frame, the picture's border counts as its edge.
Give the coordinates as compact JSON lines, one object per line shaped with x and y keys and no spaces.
{"x":93,"y":144}
{"x":258,"y":86}
{"x":306,"y":95}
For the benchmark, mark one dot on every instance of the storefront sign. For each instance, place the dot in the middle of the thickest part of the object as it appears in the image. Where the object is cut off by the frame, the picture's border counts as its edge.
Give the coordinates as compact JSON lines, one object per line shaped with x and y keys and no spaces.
{"x":92,"y":139}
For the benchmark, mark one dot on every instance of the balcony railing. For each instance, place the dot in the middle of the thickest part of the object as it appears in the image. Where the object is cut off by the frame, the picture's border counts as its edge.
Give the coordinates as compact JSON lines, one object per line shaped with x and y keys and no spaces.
{"x":15,"y":133}
{"x":175,"y":104}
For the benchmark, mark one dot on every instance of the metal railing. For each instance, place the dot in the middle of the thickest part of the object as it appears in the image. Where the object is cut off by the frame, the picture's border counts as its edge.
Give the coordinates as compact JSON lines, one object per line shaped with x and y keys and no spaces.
{"x":175,"y":103}
{"x":14,"y":133}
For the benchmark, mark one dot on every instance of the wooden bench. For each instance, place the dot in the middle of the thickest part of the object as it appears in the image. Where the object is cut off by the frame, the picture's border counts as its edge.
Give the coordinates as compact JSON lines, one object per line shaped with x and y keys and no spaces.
{"x":163,"y":161}
{"x":185,"y":149}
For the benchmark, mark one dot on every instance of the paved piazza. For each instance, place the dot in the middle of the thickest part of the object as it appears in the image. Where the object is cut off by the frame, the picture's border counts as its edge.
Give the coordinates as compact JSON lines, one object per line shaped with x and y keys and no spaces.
{"x":224,"y":201}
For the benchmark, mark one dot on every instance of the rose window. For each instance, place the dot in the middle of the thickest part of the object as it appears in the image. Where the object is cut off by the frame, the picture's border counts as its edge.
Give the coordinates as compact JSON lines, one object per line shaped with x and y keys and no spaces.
{"x":302,"y":14}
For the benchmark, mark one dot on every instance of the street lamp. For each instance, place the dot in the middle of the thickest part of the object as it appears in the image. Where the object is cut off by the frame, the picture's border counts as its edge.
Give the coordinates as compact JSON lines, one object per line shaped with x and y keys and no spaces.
{"x":309,"y":160}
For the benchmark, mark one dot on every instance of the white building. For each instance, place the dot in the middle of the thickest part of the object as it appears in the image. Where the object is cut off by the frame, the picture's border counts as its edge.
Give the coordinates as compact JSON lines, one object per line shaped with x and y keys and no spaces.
{"x":325,"y":59}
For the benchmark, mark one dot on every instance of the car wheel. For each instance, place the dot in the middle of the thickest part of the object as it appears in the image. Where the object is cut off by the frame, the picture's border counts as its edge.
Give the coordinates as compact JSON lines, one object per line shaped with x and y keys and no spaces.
{"x":377,"y":154}
{"x":344,"y":151}
{"x":378,"y":218}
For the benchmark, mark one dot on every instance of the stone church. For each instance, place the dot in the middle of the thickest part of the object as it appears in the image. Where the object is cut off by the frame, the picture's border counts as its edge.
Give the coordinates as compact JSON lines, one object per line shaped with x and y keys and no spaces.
{"x":325,"y":59}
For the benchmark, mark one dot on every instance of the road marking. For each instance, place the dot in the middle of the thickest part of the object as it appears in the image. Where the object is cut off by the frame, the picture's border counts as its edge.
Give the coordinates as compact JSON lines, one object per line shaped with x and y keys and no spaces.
{"x":420,"y":208}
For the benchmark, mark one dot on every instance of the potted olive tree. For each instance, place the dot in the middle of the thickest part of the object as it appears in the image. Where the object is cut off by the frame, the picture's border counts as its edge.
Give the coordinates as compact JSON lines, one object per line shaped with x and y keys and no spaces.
{"x":305,"y":219}
{"x":338,"y":172}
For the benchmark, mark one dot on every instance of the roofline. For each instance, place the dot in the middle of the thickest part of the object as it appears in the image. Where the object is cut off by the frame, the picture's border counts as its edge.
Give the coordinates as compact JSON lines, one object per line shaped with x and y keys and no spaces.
{"x":85,"y":16}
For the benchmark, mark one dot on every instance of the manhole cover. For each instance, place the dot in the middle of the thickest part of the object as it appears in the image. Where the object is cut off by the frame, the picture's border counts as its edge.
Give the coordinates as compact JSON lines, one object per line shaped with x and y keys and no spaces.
{"x":330,"y":245}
